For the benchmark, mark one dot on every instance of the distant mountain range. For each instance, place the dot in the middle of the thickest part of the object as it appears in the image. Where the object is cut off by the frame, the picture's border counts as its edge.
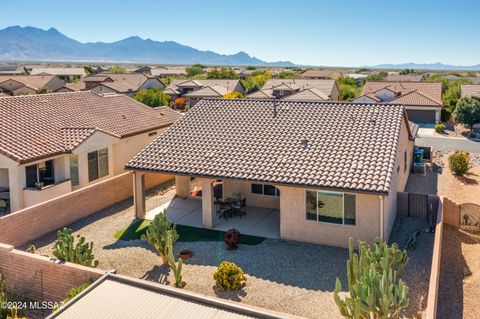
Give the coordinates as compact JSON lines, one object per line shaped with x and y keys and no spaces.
{"x":426,"y":66}
{"x":33,"y":44}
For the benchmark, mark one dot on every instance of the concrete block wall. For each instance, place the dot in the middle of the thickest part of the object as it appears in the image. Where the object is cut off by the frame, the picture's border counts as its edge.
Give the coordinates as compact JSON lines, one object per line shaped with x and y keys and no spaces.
{"x":451,"y":212}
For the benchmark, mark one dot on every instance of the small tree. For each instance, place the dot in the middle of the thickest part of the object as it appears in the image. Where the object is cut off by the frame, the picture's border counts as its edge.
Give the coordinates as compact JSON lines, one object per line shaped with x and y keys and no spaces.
{"x":194,"y":70}
{"x":118,"y":69}
{"x":233,"y":95}
{"x":179,"y":104}
{"x":158,"y":233}
{"x":468,"y":111}
{"x":153,"y":97}
{"x":372,"y":282}
{"x":65,"y":249}
{"x":459,"y":162}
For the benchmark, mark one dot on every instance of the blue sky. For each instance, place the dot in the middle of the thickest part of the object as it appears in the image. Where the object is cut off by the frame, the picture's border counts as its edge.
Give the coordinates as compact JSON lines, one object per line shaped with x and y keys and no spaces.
{"x":335,"y":33}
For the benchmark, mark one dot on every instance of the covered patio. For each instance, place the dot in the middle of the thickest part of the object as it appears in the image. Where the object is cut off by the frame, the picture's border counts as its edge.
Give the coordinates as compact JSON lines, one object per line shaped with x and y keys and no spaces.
{"x":197,"y":205}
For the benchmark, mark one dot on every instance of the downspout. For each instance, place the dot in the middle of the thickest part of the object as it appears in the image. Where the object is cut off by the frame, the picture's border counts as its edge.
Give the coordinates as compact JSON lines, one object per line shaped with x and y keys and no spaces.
{"x":381,"y":215}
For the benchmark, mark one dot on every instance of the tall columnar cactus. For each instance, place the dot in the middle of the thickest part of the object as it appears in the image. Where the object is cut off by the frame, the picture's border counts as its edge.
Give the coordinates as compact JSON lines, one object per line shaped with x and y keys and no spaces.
{"x":66,"y":249}
{"x":372,"y":282}
{"x":176,"y":267}
{"x":156,"y":234}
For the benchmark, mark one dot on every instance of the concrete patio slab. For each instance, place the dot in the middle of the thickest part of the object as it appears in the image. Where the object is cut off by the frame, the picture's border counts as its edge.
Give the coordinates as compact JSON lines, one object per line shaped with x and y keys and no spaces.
{"x":259,"y":221}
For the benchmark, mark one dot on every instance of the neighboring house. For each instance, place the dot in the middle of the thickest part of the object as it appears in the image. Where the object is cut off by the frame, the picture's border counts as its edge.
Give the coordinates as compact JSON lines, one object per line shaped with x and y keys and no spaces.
{"x":145,"y":69}
{"x":112,"y":295}
{"x":423,"y":100}
{"x":163,"y":72}
{"x":66,"y":74}
{"x":51,"y":144}
{"x":195,"y":90}
{"x":29,"y":84}
{"x":470,"y":90}
{"x":411,"y":77}
{"x":10,"y":69}
{"x":283,"y":88}
{"x":332,"y":170}
{"x":128,"y":84}
{"x":322,"y":74}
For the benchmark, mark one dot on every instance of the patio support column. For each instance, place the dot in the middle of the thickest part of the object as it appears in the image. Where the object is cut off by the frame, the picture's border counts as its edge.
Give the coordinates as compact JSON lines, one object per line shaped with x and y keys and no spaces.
{"x":208,"y":205}
{"x":139,"y":194}
{"x":182,"y":186}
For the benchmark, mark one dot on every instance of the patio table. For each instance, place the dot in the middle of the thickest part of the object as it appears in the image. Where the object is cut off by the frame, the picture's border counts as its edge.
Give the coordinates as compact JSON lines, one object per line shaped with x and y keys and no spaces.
{"x":5,"y":195}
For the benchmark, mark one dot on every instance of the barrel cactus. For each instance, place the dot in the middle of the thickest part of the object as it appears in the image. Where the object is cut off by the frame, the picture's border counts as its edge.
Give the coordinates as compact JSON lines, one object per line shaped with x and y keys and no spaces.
{"x":374,"y":289}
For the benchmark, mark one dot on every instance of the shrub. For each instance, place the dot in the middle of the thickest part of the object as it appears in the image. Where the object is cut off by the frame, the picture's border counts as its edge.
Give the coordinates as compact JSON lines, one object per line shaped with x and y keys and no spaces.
{"x":472,"y":134}
{"x":153,"y":97}
{"x":65,"y":249}
{"x":71,"y":294}
{"x":233,"y":95}
{"x":158,"y":233}
{"x":229,"y":276}
{"x":372,"y":282}
{"x":459,"y":162}
{"x":440,"y":128}
{"x":179,"y":103}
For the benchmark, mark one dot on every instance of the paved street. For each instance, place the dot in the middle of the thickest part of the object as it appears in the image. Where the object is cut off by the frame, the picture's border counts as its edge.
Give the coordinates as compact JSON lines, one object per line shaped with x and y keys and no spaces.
{"x":448,"y":144}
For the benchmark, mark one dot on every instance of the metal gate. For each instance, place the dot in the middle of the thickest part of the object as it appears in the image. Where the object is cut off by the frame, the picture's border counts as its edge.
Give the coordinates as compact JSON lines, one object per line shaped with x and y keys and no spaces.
{"x":470,"y":215}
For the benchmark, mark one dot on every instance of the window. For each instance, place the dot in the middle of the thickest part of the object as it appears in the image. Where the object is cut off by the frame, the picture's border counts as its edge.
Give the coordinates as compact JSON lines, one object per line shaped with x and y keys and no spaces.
{"x":404,"y":161}
{"x":40,"y":174}
{"x":97,"y":164}
{"x":266,"y":189}
{"x":152,"y":133}
{"x":330,"y":207}
{"x":74,"y":170}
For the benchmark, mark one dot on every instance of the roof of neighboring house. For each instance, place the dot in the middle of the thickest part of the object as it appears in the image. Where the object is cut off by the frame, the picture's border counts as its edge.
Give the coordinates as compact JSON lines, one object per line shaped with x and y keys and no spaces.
{"x":262,"y":94}
{"x":121,"y":83}
{"x":324,"y":86}
{"x":412,"y":77}
{"x":470,"y":90}
{"x":310,"y":94}
{"x":36,"y":82}
{"x":58,"y":71}
{"x":208,"y":91}
{"x":229,"y":84}
{"x":327,"y":74}
{"x":328,"y":145}
{"x":79,"y":86}
{"x":166,"y":71}
{"x":431,"y":91}
{"x":40,"y":126}
{"x":115,"y":296}
{"x":415,"y":98}
{"x":132,"y":81}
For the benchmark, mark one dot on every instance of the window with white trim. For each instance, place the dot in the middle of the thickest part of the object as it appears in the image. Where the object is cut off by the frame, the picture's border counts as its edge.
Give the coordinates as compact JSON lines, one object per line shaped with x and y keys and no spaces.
{"x":331,"y":207}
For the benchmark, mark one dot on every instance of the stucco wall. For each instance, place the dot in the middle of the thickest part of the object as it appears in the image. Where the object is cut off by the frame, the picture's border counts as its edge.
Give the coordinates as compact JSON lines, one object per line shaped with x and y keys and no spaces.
{"x":399,"y":179}
{"x":126,"y":148}
{"x":35,"y":196}
{"x":295,"y":226}
{"x":231,"y":187}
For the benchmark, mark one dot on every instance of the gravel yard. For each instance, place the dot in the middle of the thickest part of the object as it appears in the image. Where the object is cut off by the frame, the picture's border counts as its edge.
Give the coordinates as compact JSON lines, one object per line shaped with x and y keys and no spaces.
{"x":286,"y":276}
{"x":459,"y":291}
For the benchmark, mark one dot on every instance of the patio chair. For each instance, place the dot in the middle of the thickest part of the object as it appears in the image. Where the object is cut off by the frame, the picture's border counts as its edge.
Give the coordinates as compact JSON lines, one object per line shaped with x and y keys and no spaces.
{"x":240,"y":207}
{"x":3,"y":207}
{"x":224,"y":210}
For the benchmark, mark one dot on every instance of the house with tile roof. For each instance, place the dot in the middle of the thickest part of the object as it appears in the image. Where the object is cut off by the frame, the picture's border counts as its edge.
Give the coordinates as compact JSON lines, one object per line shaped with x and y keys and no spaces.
{"x":67,"y":74}
{"x":316,"y":89}
{"x":468,"y":90}
{"x":29,"y":84}
{"x":325,"y":171}
{"x":195,"y":90}
{"x":51,"y":144}
{"x":128,"y":84}
{"x":322,"y":74}
{"x":422,"y":100}
{"x":411,"y":77}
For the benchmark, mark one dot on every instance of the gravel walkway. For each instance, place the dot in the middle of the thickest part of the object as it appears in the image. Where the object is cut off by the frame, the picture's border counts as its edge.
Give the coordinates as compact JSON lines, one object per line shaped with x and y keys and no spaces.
{"x":459,"y":290}
{"x":286,"y":276}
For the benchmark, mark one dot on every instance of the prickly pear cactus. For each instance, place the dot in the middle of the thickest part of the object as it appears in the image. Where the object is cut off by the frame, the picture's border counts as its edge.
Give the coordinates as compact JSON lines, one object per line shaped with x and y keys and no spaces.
{"x":156,"y":234}
{"x":66,"y":249}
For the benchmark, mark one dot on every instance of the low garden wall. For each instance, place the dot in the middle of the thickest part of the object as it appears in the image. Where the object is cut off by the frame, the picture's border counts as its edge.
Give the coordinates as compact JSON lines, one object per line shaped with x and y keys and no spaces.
{"x":39,"y":278}
{"x":21,"y":227}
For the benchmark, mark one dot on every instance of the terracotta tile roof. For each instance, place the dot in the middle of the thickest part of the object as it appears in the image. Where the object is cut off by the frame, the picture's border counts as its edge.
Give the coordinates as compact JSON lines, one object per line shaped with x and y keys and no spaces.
{"x":262,"y":94}
{"x":414,"y":98}
{"x":39,"y":126}
{"x":36,"y":82}
{"x":470,"y":90}
{"x":405,"y":77}
{"x":229,"y":84}
{"x":208,"y":91}
{"x":326,"y":74}
{"x":331,"y":145}
{"x":58,"y":71}
{"x":310,"y":94}
{"x":431,"y":91}
{"x":325,"y":86}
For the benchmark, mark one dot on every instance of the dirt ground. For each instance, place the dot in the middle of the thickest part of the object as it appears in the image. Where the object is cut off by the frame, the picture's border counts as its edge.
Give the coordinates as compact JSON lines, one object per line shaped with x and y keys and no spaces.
{"x":459,"y":291}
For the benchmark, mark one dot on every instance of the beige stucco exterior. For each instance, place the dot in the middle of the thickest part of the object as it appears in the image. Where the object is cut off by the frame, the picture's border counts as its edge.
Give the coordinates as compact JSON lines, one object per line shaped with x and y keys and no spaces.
{"x":375,"y":213}
{"x":120,"y":151}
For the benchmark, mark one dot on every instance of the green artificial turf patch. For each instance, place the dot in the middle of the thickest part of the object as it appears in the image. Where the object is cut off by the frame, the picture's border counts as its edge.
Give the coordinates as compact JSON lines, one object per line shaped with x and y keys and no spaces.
{"x":186,"y":233}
